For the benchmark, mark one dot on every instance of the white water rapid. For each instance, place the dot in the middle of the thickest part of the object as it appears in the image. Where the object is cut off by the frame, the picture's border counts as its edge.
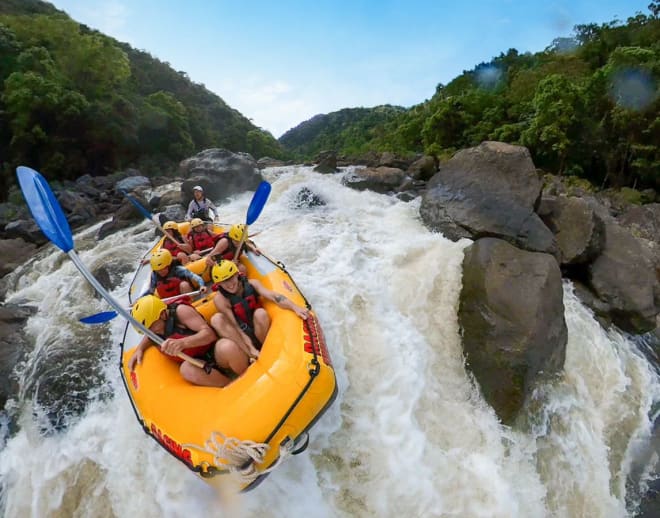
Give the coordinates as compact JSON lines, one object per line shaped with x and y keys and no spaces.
{"x":409,"y":434}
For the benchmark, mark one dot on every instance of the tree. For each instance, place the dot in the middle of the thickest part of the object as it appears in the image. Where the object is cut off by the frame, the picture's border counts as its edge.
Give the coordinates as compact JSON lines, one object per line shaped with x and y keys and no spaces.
{"x":555,"y":121}
{"x":164,"y":126}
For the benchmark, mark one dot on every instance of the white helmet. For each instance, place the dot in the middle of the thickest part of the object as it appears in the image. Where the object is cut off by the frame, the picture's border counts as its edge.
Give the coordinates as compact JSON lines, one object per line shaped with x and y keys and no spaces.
{"x":198,"y":188}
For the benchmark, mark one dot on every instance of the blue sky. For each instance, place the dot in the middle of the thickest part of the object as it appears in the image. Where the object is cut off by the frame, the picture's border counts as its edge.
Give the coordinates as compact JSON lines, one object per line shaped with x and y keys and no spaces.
{"x":281,"y":62}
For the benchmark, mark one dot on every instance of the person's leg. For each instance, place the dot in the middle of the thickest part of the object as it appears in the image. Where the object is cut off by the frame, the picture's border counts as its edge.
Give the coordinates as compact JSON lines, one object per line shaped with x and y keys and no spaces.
{"x":185,"y":287}
{"x":229,"y":355}
{"x":261,"y":322}
{"x":197,"y":376}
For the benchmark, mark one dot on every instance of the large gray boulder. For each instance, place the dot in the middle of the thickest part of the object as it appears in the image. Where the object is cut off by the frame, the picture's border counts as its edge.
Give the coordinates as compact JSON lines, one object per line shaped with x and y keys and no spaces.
{"x":512,"y":316}
{"x":14,"y":345}
{"x":221,"y":174}
{"x":488,"y":190}
{"x":624,"y":277}
{"x":14,"y":252}
{"x":125,"y":216}
{"x":378,"y":179}
{"x":578,"y":229}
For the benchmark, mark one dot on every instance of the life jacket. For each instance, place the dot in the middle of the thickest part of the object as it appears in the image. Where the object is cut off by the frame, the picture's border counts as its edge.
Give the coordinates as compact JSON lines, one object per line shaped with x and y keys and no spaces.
{"x":202,"y":212}
{"x":168,"y":286}
{"x":172,"y":330}
{"x":230,"y":251}
{"x":203,"y":240}
{"x":168,"y":244}
{"x":243,"y":307}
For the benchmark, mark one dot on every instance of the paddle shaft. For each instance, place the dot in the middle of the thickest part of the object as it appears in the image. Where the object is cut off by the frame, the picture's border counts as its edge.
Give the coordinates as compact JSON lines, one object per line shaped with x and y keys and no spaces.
{"x":119,"y":309}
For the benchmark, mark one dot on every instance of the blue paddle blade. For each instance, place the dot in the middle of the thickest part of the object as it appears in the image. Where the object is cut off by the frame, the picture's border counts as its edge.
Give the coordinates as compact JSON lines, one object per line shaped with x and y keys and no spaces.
{"x":45,"y":208}
{"x":258,"y":202}
{"x":138,"y":205}
{"x":99,"y":318}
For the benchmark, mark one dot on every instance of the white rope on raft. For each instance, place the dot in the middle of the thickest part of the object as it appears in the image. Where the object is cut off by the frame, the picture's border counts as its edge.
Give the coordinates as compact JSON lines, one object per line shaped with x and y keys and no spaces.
{"x":240,"y":458}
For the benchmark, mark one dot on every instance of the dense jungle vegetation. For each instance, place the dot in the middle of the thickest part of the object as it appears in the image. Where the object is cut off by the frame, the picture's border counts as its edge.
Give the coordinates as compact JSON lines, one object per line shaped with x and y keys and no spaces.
{"x":587,"y":106}
{"x":74,"y":101}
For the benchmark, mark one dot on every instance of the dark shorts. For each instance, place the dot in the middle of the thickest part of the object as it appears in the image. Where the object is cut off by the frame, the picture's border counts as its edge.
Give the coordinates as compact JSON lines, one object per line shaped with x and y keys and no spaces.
{"x":209,"y":357}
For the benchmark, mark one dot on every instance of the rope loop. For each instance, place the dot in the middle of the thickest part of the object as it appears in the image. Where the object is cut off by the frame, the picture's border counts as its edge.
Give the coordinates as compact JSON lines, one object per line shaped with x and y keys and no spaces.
{"x":241,"y":458}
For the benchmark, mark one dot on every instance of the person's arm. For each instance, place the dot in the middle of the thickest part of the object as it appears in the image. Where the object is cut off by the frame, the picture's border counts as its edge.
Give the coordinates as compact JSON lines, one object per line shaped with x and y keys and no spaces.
{"x":279,"y":299}
{"x":152,"y":286}
{"x":188,"y":317}
{"x":190,"y":242}
{"x":190,"y":210}
{"x":138,"y":354}
{"x":192,"y":277}
{"x":220,"y":246}
{"x":252,"y":247}
{"x":183,"y":244}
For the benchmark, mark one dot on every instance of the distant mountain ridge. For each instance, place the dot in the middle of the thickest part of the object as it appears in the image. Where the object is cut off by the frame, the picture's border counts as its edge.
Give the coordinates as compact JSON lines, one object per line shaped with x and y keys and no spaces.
{"x":349,"y":130}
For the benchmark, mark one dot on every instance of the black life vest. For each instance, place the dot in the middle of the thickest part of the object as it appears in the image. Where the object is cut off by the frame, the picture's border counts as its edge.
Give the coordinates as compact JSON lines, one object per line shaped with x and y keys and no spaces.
{"x":230,"y":251}
{"x":200,"y":212}
{"x":243,"y":307}
{"x":173,"y":330}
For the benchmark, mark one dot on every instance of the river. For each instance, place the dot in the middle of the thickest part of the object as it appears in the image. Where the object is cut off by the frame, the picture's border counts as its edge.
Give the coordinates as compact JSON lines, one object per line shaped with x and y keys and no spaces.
{"x":409,"y":434}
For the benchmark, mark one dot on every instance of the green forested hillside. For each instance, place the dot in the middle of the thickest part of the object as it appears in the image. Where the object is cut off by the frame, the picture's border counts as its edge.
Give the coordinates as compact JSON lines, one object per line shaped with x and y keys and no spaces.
{"x":587,"y":106}
{"x":75,"y":101}
{"x":350,"y":130}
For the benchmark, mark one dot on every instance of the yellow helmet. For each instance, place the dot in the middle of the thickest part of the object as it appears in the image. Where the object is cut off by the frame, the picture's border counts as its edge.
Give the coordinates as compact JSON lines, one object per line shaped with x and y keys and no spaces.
{"x":160,"y":259}
{"x":196,"y":222}
{"x":147,"y":310}
{"x":236,"y":231}
{"x":223,"y":270}
{"x":171,"y":225}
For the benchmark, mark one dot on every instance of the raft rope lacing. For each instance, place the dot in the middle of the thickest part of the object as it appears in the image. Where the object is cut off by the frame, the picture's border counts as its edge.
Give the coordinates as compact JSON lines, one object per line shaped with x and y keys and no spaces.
{"x":241,"y":458}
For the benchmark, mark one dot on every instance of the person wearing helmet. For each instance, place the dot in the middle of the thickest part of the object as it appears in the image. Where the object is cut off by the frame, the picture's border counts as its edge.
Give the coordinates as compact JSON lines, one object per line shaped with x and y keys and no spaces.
{"x":227,"y":245}
{"x":200,"y":205}
{"x":241,"y":319}
{"x":200,"y":239}
{"x":179,"y":249}
{"x":169,"y":280}
{"x":185,"y":331}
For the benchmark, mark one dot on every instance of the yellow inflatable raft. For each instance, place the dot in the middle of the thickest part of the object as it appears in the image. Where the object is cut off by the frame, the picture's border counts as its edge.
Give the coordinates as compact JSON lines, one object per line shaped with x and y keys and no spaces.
{"x":245,"y":428}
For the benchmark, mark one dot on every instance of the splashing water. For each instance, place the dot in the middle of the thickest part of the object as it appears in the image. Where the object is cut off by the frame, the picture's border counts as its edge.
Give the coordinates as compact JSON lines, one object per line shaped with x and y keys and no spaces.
{"x":409,"y":434}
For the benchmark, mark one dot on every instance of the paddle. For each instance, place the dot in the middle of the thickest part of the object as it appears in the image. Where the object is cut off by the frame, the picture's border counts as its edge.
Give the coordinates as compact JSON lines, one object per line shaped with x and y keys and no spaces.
{"x":253,"y":212}
{"x":48,"y":214}
{"x":105,"y":316}
{"x":151,"y":217}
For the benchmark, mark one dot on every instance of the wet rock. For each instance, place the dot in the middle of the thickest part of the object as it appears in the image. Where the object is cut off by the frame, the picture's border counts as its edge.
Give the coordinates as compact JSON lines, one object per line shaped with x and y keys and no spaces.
{"x":377,"y":179}
{"x":490,"y":190}
{"x":423,"y":168}
{"x":305,"y":198}
{"x":132,"y":183}
{"x":326,"y":162}
{"x":14,"y":252}
{"x":126,"y":216}
{"x":624,"y":277}
{"x":579,"y":231}
{"x":512,"y":316}
{"x":13,"y":345}
{"x":221,"y":174}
